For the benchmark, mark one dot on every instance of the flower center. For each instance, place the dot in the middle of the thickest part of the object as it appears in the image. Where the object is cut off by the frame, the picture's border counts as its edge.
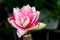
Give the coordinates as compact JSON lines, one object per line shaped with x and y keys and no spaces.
{"x":24,"y":21}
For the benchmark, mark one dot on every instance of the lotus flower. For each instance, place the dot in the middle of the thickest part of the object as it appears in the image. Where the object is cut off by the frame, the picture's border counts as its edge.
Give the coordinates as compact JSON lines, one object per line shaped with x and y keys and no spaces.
{"x":24,"y":19}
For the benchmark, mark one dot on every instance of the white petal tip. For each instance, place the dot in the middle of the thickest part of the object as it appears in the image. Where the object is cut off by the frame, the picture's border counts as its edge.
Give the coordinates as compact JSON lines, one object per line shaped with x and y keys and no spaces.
{"x":18,"y":34}
{"x":34,"y":9}
{"x":14,"y":8}
{"x":38,"y":11}
{"x":17,"y":7}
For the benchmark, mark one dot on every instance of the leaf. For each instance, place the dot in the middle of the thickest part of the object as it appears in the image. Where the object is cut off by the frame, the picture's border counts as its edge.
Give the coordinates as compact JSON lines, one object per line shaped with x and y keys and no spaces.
{"x":41,"y":26}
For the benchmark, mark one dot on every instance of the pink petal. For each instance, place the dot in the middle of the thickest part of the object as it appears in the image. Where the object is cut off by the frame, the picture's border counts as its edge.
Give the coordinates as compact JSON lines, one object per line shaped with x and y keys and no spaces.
{"x":11,"y":18}
{"x":26,"y":22}
{"x":26,"y":10}
{"x":22,"y":20}
{"x":17,"y":15}
{"x":21,"y":32}
{"x":17,"y":11}
{"x":12,"y":21}
{"x":31,"y":25}
{"x":34,"y":26}
{"x":37,"y":15}
{"x":33,"y":17}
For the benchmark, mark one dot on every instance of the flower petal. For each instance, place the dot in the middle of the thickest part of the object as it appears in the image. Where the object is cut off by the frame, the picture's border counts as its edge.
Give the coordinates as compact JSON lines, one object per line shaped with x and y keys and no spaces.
{"x":26,"y":10}
{"x":32,"y":17}
{"x":33,"y":9}
{"x":33,"y":25}
{"x":27,"y":21}
{"x":17,"y":15}
{"x":12,"y":21}
{"x":21,"y":32}
{"x":17,"y":11}
{"x":36,"y":16}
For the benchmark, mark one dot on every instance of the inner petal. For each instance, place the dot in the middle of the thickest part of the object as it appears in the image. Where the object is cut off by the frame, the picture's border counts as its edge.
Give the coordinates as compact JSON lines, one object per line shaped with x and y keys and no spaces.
{"x":24,"y":22}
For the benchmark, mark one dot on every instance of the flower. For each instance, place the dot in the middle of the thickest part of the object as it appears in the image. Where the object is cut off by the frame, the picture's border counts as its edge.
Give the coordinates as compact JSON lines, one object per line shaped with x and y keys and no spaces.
{"x":24,"y":19}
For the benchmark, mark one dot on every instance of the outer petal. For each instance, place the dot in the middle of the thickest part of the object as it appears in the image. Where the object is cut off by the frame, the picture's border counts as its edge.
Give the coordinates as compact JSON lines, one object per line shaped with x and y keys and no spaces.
{"x":33,"y":25}
{"x":33,"y":9}
{"x":21,"y":32}
{"x":17,"y":11}
{"x":11,"y":20}
{"x":26,"y":10}
{"x":17,"y":15}
{"x":37,"y":16}
{"x":34,"y":17}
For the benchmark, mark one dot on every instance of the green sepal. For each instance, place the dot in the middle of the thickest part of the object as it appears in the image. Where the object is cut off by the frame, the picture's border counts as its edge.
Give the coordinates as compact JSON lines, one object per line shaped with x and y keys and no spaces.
{"x":40,"y":26}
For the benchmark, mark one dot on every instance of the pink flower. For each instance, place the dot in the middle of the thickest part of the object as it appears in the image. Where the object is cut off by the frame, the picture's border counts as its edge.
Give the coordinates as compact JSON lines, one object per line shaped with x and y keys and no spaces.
{"x":24,"y":19}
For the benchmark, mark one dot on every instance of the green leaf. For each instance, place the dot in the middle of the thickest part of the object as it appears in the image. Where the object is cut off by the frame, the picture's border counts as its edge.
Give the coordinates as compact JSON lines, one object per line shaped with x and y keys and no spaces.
{"x":41,"y":26}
